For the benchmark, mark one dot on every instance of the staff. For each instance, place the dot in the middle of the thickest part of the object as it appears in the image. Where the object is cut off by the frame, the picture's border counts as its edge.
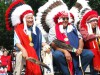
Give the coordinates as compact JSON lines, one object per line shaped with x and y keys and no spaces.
{"x":80,"y":65}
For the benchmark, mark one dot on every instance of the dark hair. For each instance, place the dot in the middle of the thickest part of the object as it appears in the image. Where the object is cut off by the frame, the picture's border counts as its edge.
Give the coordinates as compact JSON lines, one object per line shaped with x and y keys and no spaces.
{"x":5,"y":51}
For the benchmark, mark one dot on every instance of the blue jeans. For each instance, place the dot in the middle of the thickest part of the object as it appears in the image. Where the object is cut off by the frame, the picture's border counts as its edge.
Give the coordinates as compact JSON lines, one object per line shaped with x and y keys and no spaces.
{"x":86,"y":58}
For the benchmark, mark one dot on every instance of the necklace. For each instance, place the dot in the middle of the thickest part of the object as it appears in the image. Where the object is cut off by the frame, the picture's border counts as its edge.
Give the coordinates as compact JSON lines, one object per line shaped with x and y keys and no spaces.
{"x":30,"y":38}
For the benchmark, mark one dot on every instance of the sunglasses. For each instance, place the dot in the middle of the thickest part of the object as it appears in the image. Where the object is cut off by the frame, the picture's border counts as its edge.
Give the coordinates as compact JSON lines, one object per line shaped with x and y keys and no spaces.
{"x":65,"y":18}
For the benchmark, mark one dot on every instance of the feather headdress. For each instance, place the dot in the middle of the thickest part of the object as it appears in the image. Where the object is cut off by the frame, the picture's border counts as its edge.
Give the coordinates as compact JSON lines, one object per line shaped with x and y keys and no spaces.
{"x":84,"y":3}
{"x":87,"y":17}
{"x":75,"y":13}
{"x":85,"y":7}
{"x":16,"y":13}
{"x":9,"y":11}
{"x":45,"y":17}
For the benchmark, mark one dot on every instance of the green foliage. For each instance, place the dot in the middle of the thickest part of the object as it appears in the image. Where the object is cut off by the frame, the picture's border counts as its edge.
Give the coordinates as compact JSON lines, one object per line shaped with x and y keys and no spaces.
{"x":95,"y":5}
{"x":5,"y":36}
{"x":70,"y":3}
{"x":35,"y":4}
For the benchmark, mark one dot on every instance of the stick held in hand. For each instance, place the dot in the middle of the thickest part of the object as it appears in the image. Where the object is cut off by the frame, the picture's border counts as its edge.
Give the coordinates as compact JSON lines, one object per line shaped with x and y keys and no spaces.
{"x":38,"y":62}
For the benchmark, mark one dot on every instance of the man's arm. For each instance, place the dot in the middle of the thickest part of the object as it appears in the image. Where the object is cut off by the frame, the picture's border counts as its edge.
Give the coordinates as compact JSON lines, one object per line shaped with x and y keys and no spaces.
{"x":19,"y":46}
{"x":22,"y":49}
{"x":80,"y":47}
{"x":81,"y":44}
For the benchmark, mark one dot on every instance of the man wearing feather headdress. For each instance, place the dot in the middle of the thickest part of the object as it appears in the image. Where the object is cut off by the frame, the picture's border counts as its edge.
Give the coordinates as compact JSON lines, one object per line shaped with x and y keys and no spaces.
{"x":89,"y":28}
{"x":27,"y":36}
{"x":67,"y":33}
{"x":78,"y":10}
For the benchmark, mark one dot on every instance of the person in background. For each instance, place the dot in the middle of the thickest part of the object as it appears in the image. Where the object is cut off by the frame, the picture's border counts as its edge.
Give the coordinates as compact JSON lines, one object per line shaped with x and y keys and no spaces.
{"x":3,"y":70}
{"x":6,"y":62}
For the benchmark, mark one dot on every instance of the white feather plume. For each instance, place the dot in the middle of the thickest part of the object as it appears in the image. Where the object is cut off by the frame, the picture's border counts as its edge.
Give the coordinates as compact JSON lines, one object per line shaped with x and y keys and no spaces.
{"x":75,"y":13}
{"x":84,"y":3}
{"x":15,"y":16}
{"x":49,"y":18}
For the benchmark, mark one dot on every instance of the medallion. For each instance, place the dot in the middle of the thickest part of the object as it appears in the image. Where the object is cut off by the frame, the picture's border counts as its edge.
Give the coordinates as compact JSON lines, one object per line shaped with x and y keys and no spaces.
{"x":66,"y":39}
{"x":31,"y":44}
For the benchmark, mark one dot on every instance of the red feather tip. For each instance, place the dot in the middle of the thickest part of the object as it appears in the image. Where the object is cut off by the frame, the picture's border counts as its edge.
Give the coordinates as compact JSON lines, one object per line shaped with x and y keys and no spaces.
{"x":60,"y":15}
{"x":8,"y":12}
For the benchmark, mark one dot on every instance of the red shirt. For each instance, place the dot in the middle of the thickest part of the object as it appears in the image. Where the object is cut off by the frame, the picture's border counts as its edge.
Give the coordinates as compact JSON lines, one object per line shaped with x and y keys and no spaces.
{"x":6,"y":61}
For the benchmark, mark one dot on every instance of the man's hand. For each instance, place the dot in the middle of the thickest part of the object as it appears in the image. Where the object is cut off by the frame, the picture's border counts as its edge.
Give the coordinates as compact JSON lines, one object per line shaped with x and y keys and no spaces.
{"x":67,"y":55}
{"x":78,"y":51}
{"x":23,"y":50}
{"x":24,"y":54}
{"x":46,"y":48}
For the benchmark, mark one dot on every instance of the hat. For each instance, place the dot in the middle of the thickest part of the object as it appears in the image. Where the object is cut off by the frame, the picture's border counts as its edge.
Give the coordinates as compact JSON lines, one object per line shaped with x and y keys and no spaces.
{"x":90,"y":15}
{"x":58,"y":17}
{"x":83,"y":8}
{"x":45,"y":17}
{"x":16,"y":12}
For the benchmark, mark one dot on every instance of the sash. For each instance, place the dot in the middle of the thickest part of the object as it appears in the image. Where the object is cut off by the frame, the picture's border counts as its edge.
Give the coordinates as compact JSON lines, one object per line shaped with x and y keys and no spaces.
{"x":31,"y":68}
{"x":62,"y":36}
